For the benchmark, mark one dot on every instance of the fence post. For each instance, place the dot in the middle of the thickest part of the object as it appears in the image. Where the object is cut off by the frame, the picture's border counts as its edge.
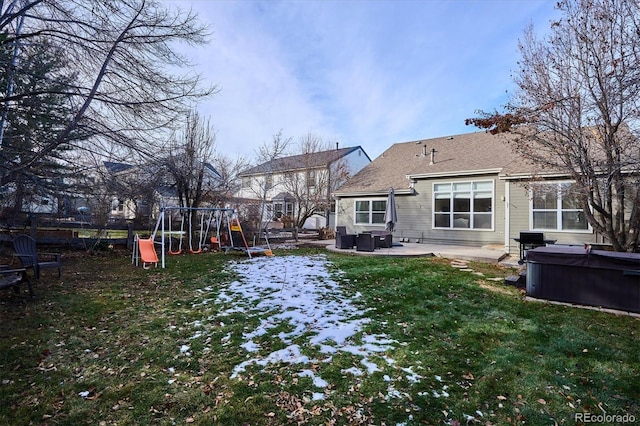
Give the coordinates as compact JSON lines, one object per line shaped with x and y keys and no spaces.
{"x":33,"y":231}
{"x":129,"y":236}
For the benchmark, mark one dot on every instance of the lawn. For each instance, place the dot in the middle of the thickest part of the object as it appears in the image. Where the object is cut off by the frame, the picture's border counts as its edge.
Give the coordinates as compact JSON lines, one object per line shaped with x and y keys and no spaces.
{"x":305,"y":337}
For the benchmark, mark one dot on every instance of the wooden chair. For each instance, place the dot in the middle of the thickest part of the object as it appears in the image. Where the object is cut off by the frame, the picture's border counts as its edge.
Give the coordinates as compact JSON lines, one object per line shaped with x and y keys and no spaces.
{"x":25,"y":248}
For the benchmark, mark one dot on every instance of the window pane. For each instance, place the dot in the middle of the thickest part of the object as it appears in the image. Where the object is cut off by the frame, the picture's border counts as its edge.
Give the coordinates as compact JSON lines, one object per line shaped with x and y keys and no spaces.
{"x":442,"y":187}
{"x":377,"y":218}
{"x":462,"y":205}
{"x":461,"y":221}
{"x":573,"y":220}
{"x":362,"y":217}
{"x":379,"y":206}
{"x":362,"y":206}
{"x":569,"y":197}
{"x":481,"y":195}
{"x":462,"y":186}
{"x":442,"y":220}
{"x":483,"y":186}
{"x":482,"y":205}
{"x":545,"y":197}
{"x":545,"y":220}
{"x":443,"y":205}
{"x":482,"y":221}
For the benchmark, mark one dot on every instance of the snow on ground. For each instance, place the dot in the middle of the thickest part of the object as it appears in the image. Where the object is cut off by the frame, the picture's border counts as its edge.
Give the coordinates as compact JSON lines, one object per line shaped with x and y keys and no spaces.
{"x":299,"y":292}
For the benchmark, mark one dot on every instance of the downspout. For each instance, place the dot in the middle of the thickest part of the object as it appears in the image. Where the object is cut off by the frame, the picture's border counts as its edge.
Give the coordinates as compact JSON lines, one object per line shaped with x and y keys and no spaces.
{"x":507,"y":218}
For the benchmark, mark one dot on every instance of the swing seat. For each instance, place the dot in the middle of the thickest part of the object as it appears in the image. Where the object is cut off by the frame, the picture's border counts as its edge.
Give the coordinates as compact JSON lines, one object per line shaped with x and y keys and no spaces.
{"x":215,"y":244}
{"x":175,"y":252}
{"x":192,"y":251}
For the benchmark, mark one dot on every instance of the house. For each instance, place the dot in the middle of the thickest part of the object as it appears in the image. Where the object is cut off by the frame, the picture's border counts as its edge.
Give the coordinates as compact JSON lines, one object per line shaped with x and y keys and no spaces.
{"x":134,"y":192}
{"x":298,"y":187}
{"x":468,"y":189}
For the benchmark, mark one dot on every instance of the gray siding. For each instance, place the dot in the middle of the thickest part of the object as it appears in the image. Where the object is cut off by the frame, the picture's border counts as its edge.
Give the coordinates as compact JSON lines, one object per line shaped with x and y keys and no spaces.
{"x":415,"y":214}
{"x":519,"y":208}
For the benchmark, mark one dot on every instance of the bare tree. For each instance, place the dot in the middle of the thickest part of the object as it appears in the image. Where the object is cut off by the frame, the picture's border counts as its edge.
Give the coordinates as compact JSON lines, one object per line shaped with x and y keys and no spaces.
{"x":313,"y":174}
{"x":130,"y":84}
{"x":188,"y":162}
{"x":228,"y":170}
{"x":577,"y":110}
{"x":267,"y":154}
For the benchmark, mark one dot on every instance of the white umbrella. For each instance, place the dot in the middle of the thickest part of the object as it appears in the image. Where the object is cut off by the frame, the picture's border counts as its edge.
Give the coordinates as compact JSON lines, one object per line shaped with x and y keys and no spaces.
{"x":390,"y":214}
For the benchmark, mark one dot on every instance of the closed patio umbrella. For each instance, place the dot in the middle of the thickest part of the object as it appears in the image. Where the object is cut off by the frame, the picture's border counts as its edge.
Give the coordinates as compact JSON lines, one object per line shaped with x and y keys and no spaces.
{"x":390,"y":214}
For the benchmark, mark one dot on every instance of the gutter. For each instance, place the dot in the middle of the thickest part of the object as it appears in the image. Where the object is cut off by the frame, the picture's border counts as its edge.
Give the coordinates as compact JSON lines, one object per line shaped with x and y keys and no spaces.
{"x":455,"y":173}
{"x":405,"y":191}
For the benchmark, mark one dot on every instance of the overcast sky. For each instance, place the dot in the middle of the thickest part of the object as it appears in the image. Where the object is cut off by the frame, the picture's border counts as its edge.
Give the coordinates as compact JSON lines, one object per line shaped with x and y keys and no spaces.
{"x":358,"y":72}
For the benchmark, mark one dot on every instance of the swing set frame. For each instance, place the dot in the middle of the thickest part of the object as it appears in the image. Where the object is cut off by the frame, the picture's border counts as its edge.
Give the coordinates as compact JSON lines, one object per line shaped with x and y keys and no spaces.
{"x":220,"y":215}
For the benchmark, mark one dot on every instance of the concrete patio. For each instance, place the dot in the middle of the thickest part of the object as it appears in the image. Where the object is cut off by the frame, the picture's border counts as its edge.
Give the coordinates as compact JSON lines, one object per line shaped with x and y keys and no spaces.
{"x":489,"y":254}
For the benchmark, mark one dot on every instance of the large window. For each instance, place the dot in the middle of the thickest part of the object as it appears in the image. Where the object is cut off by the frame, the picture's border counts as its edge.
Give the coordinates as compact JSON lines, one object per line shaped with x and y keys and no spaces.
{"x":463,"y":205}
{"x":555,"y":206}
{"x":370,"y":212}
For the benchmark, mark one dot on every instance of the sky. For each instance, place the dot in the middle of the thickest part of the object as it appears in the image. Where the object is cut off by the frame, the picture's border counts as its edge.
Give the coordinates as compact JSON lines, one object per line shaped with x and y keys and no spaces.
{"x":366,"y":73}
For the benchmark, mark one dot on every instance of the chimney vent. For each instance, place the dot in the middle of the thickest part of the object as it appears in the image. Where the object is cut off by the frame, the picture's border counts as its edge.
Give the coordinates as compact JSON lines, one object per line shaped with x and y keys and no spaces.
{"x":337,"y":143}
{"x":433,"y":156}
{"x":424,"y":150}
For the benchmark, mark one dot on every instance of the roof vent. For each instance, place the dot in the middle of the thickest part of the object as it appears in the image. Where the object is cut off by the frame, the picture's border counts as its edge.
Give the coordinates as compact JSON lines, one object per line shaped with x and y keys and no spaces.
{"x":433,"y":156}
{"x":424,"y":150}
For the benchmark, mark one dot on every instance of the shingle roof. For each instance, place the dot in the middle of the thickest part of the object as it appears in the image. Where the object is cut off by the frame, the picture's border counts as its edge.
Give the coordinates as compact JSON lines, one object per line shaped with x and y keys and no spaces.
{"x":113,"y":167}
{"x":460,"y":154}
{"x":301,"y":161}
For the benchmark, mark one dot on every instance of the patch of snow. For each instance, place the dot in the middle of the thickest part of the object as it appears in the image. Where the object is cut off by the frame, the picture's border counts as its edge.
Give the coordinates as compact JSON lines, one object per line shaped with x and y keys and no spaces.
{"x":298,"y":292}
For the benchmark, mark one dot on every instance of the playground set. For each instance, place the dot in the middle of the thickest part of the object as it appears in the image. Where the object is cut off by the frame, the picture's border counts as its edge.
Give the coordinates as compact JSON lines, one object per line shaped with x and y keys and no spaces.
{"x":213,"y":229}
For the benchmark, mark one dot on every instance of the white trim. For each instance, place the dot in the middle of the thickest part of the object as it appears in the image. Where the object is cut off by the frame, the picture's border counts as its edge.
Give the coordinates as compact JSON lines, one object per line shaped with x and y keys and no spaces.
{"x":370,"y":200}
{"x":471,"y":212}
{"x":558,"y":210}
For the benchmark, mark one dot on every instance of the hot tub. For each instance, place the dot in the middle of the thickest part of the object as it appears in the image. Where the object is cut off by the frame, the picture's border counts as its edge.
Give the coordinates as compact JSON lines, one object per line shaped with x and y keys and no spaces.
{"x":586,"y":277}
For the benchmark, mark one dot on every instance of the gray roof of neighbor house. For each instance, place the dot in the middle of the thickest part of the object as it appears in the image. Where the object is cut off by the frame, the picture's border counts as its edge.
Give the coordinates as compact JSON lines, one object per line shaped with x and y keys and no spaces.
{"x":459,"y":155}
{"x":301,"y":161}
{"x":113,"y":167}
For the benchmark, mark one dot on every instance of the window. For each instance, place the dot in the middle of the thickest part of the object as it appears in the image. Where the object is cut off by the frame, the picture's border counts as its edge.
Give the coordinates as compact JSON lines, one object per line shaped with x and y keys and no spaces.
{"x":311,"y":178}
{"x":555,"y":206}
{"x":370,"y":212}
{"x":269,"y":181}
{"x":117,"y":205}
{"x":246,"y":182}
{"x":463,"y":205}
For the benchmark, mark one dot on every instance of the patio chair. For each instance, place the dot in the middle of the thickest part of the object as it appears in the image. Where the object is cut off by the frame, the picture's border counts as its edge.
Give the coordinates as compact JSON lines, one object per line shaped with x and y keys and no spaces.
{"x":365,"y":242}
{"x":384,"y":239}
{"x":344,"y":240}
{"x":12,"y":278}
{"x":25,"y":248}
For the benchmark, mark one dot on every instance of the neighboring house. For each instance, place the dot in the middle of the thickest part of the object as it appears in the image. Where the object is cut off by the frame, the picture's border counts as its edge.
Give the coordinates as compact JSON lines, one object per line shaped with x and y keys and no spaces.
{"x":136,"y":192}
{"x":301,"y":183}
{"x":468,"y":189}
